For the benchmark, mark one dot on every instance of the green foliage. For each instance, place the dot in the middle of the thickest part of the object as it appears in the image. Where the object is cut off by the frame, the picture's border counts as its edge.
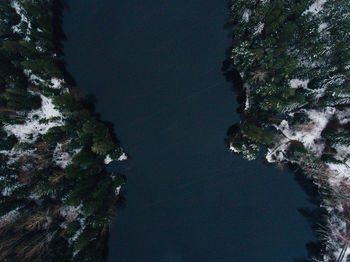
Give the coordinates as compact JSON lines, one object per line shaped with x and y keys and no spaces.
{"x":299,"y":118}
{"x":67,"y":103}
{"x":85,"y":238}
{"x":7,"y":142}
{"x":40,"y":65}
{"x":8,"y":18}
{"x":296,"y":150}
{"x":116,"y":153}
{"x":19,"y":99}
{"x":53,"y":135}
{"x":247,"y":148}
{"x":19,"y":49}
{"x":256,"y":134}
{"x":72,"y":229}
{"x":87,"y":160}
{"x":58,"y":250}
{"x":102,"y":140}
{"x":337,"y":137}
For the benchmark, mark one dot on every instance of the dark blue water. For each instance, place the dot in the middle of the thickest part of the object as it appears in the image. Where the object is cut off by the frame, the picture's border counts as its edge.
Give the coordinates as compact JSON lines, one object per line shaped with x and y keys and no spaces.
{"x":154,"y":67}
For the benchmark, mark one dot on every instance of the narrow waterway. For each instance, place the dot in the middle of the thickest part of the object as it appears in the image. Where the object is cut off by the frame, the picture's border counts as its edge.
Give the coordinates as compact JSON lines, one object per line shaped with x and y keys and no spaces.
{"x":155,"y":69}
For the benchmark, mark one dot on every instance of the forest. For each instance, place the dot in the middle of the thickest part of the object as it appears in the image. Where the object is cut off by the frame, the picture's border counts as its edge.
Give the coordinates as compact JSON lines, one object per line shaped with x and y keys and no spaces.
{"x":56,"y":196}
{"x":291,"y":62}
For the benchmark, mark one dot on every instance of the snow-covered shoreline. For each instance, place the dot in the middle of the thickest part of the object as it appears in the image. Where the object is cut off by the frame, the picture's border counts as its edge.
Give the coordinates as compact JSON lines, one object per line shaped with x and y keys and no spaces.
{"x":298,"y":106}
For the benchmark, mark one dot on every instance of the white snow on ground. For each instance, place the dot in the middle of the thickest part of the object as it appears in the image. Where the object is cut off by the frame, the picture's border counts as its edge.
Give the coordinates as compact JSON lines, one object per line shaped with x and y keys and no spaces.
{"x":346,"y":255}
{"x":322,"y":27}
{"x":247,"y":98}
{"x":246,"y":15}
{"x":16,"y":29}
{"x":309,"y":134}
{"x":56,"y":83}
{"x":296,"y":83}
{"x":9,"y":217}
{"x":316,"y":7}
{"x":62,"y":158}
{"x":244,"y":150}
{"x":7,"y":191}
{"x":14,"y":154}
{"x":233,"y":149}
{"x":343,"y":153}
{"x":39,"y":48}
{"x":123,"y":157}
{"x":36,"y":79}
{"x":82,"y":222}
{"x":319,"y":120}
{"x":337,"y":175}
{"x":344,"y":116}
{"x":29,"y":131}
{"x":117,"y":191}
{"x":33,"y":78}
{"x":70,"y":213}
{"x":259,"y":28}
{"x":108,"y":159}
{"x":340,"y":173}
{"x":335,"y":239}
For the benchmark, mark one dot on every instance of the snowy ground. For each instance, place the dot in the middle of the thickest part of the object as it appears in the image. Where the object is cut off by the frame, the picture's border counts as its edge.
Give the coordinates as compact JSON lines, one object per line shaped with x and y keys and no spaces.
{"x":38,"y":122}
{"x":337,"y":174}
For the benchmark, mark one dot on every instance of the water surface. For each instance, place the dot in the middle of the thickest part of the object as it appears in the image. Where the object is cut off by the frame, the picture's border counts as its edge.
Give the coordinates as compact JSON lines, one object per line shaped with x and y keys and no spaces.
{"x":154,"y":67}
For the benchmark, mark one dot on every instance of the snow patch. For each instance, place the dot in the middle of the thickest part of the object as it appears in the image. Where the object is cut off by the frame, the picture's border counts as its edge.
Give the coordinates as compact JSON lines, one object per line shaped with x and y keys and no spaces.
{"x":246,"y":15}
{"x":56,"y":83}
{"x":322,"y":27}
{"x":70,"y":213}
{"x":7,"y":191}
{"x":316,"y":7}
{"x":24,"y":19}
{"x":340,"y":173}
{"x":108,"y":159}
{"x":62,"y":158}
{"x":344,"y":116}
{"x":38,"y":122}
{"x":308,"y":134}
{"x":9,"y":217}
{"x":259,"y":28}
{"x":117,"y":191}
{"x":82,"y":222}
{"x":233,"y":149}
{"x":296,"y":83}
{"x":247,"y":99}
{"x":123,"y":157}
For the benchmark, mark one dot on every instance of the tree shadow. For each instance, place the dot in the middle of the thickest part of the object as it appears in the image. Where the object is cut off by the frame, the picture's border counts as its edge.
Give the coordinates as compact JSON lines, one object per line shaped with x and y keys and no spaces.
{"x":314,"y":215}
{"x":89,"y":101}
{"x":232,"y":75}
{"x":59,"y":37}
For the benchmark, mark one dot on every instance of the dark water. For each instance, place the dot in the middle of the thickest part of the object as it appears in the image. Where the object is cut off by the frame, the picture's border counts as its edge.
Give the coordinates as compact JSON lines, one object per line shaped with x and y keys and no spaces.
{"x":154,"y":67}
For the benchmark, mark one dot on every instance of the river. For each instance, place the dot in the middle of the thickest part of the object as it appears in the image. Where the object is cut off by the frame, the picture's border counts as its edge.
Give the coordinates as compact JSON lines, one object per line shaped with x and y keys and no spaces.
{"x":155,"y":69}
